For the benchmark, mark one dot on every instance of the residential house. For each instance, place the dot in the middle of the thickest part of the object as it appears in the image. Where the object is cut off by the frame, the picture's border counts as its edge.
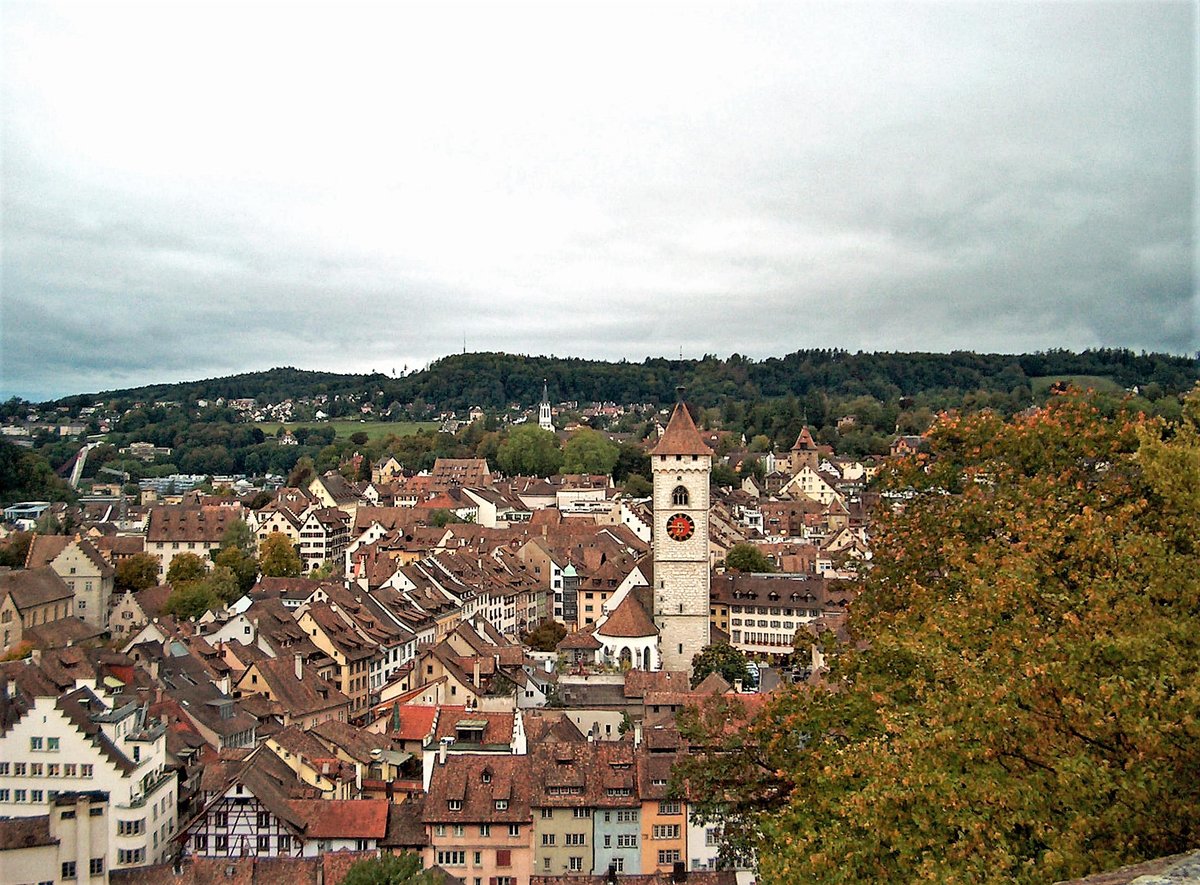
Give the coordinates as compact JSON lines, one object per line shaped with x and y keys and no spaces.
{"x":31,"y":598}
{"x":174,"y":529}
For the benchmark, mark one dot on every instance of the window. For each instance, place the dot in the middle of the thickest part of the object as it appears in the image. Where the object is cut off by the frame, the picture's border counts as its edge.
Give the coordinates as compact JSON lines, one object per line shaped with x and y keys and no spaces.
{"x":4,"y":795}
{"x":35,"y":744}
{"x":679,"y":497}
{"x":200,"y":843}
{"x":478,"y":858}
{"x":52,"y":769}
{"x":3,"y":768}
{"x":35,"y":769}
{"x":18,"y":795}
{"x":138,"y":855}
{"x":667,"y":858}
{"x":546,"y":864}
{"x":514,"y":829}
{"x":627,"y":816}
{"x":263,"y":819}
{"x":576,"y":864}
{"x":96,"y":866}
{"x":459,"y":830}
{"x":85,"y":770}
{"x":35,"y":796}
{"x":222,"y":843}
{"x":94,"y":811}
{"x":68,"y":869}
{"x":618,"y":863}
{"x":712,"y":837}
{"x":454,"y":804}
{"x":627,"y":840}
{"x":502,"y":805}
{"x":666,"y":831}
{"x":668,"y":808}
{"x":285,"y":844}
{"x":547,"y":838}
{"x":485,"y":830}
{"x":52,"y":744}
{"x":221,"y":818}
{"x":67,"y":815}
{"x":439,"y":830}
{"x":504,"y":857}
{"x":68,"y":769}
{"x":453,"y":858}
{"x":579,"y":813}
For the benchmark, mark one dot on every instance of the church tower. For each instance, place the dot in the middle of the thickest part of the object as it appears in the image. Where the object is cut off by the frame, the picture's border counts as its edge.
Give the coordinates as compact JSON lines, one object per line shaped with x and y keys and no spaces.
{"x":545,"y":420}
{"x":681,"y":464}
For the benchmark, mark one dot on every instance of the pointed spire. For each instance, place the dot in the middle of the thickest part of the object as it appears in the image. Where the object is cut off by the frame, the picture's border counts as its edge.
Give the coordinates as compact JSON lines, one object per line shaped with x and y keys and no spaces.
{"x":681,"y":436}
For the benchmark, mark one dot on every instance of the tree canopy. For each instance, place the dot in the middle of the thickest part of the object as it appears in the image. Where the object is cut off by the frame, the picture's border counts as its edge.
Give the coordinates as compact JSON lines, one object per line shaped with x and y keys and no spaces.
{"x":722,"y":658}
{"x":589,"y":452}
{"x":278,"y":558}
{"x":1021,"y":701}
{"x":390,"y":869}
{"x":186,"y":567}
{"x":136,"y":572}
{"x":530,"y":451}
{"x":748,"y":558}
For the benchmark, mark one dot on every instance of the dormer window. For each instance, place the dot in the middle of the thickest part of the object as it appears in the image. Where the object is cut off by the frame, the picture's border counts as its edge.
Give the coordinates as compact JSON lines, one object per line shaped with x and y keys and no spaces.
{"x":502,"y":805}
{"x":486,"y":777}
{"x":454,"y":804}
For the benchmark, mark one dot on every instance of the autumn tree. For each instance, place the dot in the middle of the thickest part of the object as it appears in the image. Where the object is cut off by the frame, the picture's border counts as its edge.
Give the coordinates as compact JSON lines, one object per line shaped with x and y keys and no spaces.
{"x":186,"y":567}
{"x":1020,"y":702}
{"x":545,"y":636}
{"x":278,"y":558}
{"x":137,"y":572}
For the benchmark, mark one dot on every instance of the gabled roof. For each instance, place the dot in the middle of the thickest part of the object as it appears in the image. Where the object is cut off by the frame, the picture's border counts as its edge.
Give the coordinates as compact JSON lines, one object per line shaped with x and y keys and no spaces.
{"x":33,"y":587}
{"x":342,"y":818}
{"x":43,"y":549}
{"x":681,"y":436}
{"x":629,"y":620}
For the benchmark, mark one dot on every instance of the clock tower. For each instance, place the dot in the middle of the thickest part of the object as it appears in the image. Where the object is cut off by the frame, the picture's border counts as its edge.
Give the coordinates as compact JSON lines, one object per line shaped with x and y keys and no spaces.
{"x":681,"y":464}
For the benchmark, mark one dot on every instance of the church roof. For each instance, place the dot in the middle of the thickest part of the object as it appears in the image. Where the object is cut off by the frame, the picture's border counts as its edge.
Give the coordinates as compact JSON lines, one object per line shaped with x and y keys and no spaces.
{"x":628,"y":621}
{"x":681,"y":436}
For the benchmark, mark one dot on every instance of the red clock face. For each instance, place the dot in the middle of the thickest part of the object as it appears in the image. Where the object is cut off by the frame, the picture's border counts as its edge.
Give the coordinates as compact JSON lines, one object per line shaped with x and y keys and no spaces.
{"x":680,"y":527}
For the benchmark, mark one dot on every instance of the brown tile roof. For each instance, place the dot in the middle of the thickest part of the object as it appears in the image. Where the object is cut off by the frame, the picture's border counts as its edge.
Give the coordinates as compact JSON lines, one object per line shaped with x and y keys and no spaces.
{"x":33,"y":587}
{"x":478,"y":783}
{"x":681,"y":436}
{"x":25,"y":832}
{"x":180,"y":523}
{"x":639,"y":682}
{"x":300,"y":697}
{"x":43,"y":549}
{"x":404,"y":827}
{"x":342,"y":818}
{"x":628,"y":620}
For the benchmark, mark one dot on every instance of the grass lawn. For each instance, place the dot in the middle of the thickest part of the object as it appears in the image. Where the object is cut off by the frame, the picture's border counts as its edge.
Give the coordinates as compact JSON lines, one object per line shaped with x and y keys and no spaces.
{"x":345,"y":427}
{"x":1100,"y":383}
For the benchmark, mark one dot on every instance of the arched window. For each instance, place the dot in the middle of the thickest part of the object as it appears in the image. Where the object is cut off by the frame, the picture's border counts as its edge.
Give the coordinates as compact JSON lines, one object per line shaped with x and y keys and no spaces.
{"x":679,"y":497}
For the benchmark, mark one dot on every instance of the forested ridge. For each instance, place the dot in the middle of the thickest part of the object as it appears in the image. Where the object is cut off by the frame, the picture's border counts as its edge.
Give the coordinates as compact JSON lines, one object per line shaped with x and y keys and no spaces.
{"x":495,"y":380}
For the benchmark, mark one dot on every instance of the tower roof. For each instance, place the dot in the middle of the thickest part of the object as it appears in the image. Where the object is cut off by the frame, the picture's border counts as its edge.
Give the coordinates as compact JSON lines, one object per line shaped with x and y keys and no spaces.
{"x":681,"y":436}
{"x":804,"y":442}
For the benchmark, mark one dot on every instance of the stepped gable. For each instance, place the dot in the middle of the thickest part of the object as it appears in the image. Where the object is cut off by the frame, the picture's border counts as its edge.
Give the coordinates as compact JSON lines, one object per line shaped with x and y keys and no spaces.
{"x":44,"y":549}
{"x":628,"y":621}
{"x":681,"y":436}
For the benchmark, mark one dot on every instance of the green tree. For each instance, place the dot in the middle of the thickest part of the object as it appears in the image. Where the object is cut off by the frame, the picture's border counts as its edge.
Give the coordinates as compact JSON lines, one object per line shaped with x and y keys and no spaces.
{"x":1019,"y":702}
{"x":242,"y":565}
{"x":637,"y":486}
{"x":238,"y":535}
{"x":278,"y":558}
{"x":545,"y":636}
{"x":136,"y":572}
{"x":324,"y":570}
{"x":632,"y":460}
{"x":391,"y":869}
{"x":186,"y":567}
{"x":747,"y":558}
{"x":15,"y":550}
{"x":722,"y":658}
{"x":191,"y":600}
{"x":530,"y":451}
{"x":589,"y":452}
{"x":303,"y":473}
{"x":724,"y":475}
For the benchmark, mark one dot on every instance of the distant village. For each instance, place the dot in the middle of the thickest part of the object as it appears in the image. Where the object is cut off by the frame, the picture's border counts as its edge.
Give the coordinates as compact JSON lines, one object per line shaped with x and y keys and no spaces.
{"x":387,"y":697}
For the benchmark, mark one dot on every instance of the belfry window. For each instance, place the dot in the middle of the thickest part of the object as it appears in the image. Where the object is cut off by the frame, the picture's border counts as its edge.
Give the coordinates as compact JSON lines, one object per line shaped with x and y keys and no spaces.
{"x":679,"y":497}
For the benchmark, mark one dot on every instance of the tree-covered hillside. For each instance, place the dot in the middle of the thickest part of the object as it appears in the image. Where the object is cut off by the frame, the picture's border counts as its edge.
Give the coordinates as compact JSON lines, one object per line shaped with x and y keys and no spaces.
{"x":494,"y":380}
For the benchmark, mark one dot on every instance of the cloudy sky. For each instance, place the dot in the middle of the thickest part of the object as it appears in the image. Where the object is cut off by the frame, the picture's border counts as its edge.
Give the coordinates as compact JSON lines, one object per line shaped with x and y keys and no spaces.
{"x":198,"y":189}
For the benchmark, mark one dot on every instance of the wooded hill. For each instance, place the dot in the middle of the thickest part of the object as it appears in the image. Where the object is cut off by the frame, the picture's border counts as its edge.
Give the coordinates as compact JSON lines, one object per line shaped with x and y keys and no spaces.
{"x":494,"y":380}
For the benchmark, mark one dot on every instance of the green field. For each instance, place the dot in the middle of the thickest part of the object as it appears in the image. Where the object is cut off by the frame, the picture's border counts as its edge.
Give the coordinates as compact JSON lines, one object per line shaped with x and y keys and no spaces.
{"x":373,"y":429}
{"x":1099,"y":383}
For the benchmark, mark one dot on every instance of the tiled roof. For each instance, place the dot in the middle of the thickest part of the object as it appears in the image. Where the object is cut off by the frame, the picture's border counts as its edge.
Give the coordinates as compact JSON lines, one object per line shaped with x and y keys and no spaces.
{"x":478,"y":783}
{"x":33,"y":587}
{"x":25,"y":832}
{"x":628,"y":620}
{"x":43,"y":549}
{"x":404,"y":826}
{"x":180,"y":523}
{"x":342,"y":818}
{"x":681,"y":436}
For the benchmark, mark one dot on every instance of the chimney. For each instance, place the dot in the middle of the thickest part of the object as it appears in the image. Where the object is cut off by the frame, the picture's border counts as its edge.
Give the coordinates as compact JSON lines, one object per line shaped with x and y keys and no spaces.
{"x":475,"y":672}
{"x":637,"y":732}
{"x":299,"y":658}
{"x":442,"y":753}
{"x":226,"y":687}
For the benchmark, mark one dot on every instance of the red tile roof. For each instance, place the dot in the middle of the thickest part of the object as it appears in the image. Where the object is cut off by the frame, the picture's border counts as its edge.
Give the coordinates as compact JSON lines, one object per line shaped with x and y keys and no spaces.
{"x":342,"y":818}
{"x":681,"y":436}
{"x":628,"y":620}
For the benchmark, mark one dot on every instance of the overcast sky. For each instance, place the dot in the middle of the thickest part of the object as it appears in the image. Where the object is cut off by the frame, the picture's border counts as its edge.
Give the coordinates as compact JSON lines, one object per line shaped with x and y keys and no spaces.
{"x":193,"y":190}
